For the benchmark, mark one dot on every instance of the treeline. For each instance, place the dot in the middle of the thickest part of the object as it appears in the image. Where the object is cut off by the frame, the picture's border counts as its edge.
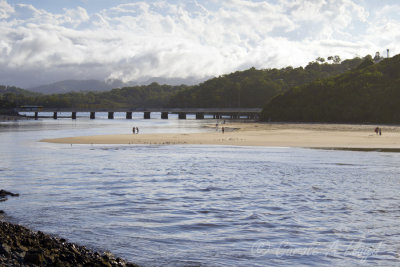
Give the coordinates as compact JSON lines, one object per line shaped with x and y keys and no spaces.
{"x":367,"y":94}
{"x":9,"y":96}
{"x":12,"y":90}
{"x":316,"y":92}
{"x":254,"y":88}
{"x":249,"y":88}
{"x":153,"y":95}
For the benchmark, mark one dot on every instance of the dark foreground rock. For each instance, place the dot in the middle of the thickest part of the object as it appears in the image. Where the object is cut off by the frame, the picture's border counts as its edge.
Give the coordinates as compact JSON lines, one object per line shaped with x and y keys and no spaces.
{"x":20,"y":246}
{"x":4,"y":194}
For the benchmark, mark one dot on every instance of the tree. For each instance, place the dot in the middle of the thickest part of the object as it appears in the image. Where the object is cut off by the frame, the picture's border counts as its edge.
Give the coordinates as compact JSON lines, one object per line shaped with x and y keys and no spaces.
{"x":335,"y":59}
{"x":366,"y":94}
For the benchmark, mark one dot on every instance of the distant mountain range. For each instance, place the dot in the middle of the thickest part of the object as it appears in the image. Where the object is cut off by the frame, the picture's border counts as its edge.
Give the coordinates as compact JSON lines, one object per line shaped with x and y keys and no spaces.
{"x":67,"y":86}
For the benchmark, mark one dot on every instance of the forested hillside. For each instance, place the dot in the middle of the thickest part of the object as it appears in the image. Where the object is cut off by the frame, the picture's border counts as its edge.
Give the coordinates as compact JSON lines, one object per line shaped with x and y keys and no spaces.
{"x":12,"y":90}
{"x":153,"y":95}
{"x":367,"y":94}
{"x":249,"y":88}
{"x":9,"y":96}
{"x":254,"y":88}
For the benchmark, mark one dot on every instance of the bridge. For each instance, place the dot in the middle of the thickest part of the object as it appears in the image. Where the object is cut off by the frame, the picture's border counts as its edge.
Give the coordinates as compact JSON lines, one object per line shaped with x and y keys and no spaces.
{"x":200,"y":113}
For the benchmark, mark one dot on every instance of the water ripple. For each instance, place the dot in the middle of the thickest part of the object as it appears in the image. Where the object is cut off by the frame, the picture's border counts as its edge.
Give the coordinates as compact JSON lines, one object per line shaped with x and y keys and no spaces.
{"x":208,"y":205}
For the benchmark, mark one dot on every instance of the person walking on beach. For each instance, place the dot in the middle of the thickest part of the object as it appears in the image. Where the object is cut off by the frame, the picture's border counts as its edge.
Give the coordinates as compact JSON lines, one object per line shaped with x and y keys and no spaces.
{"x":223,"y":129}
{"x":137,"y":130}
{"x":380,"y":131}
{"x":133,"y":130}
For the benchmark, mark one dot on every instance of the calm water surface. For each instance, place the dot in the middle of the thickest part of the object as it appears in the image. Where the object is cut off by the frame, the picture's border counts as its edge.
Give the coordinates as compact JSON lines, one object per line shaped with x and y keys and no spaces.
{"x":202,"y":205}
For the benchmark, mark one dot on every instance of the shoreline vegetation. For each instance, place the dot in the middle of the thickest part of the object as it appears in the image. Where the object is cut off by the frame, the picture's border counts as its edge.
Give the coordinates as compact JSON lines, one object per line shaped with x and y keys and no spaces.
{"x":21,"y":246}
{"x":302,"y":135}
{"x":368,"y":93}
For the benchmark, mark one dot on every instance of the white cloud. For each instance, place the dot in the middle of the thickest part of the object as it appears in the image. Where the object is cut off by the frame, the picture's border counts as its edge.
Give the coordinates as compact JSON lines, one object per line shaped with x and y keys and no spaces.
{"x":76,"y":16}
{"x":384,"y":31}
{"x":324,"y":18}
{"x":139,"y":40}
{"x":5,"y":9}
{"x":388,"y":12}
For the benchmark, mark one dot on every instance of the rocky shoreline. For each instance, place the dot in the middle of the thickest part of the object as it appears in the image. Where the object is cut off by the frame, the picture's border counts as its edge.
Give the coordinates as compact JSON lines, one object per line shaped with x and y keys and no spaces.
{"x":20,"y":246}
{"x":3,"y":196}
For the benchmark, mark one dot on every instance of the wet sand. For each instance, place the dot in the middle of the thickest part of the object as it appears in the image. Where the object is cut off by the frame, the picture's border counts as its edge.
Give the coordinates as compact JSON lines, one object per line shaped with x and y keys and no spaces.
{"x":335,"y":136}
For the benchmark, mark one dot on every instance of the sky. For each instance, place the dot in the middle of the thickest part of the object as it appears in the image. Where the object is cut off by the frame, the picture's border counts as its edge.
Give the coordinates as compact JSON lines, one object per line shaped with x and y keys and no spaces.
{"x":45,"y":41}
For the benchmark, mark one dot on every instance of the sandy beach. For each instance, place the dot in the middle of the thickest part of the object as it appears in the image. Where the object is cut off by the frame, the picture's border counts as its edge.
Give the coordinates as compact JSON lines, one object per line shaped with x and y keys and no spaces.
{"x":339,"y":136}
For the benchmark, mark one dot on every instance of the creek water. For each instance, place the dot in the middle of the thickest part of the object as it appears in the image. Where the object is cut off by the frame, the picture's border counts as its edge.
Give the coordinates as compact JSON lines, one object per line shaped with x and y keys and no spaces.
{"x":180,"y":205}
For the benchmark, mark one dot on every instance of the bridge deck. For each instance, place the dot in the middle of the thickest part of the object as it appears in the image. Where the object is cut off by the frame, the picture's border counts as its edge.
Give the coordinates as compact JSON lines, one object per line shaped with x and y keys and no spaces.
{"x":217,"y":113}
{"x":169,"y":110}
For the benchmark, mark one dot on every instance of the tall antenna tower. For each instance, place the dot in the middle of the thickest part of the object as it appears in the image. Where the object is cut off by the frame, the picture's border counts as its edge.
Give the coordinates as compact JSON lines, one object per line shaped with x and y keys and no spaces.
{"x":387,"y":53}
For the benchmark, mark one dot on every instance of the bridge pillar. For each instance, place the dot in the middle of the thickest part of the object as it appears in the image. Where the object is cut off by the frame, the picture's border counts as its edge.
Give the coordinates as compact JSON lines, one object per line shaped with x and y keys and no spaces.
{"x":164,"y":115}
{"x":36,"y":115}
{"x":182,"y":116}
{"x":216,"y":116}
{"x":129,"y":115}
{"x":199,"y":115}
{"x":92,"y":115}
{"x":55,"y":115}
{"x":110,"y":115}
{"x":146,"y":115}
{"x":73,"y":115}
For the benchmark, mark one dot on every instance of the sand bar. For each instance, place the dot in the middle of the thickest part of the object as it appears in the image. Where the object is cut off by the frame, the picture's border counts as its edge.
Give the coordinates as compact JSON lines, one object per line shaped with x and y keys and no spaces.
{"x":340,"y":136}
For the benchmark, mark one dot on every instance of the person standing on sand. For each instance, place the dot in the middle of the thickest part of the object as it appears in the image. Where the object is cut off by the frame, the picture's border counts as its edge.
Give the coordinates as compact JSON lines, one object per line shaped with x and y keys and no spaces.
{"x":133,"y":130}
{"x":380,"y":131}
{"x":137,"y":130}
{"x":223,"y":129}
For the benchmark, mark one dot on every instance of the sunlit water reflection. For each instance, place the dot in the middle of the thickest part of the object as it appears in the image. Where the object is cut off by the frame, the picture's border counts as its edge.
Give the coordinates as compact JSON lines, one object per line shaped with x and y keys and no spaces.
{"x":202,"y":205}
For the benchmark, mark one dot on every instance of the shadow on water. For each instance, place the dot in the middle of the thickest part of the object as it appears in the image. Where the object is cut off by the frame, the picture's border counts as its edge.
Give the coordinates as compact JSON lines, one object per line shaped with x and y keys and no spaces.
{"x":386,"y":150}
